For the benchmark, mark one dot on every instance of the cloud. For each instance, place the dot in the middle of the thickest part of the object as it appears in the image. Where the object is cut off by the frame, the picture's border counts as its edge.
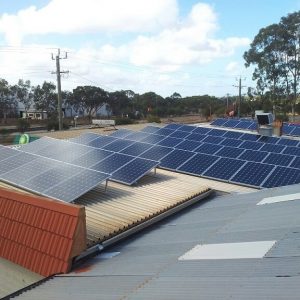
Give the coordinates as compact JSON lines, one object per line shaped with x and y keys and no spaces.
{"x":69,"y":17}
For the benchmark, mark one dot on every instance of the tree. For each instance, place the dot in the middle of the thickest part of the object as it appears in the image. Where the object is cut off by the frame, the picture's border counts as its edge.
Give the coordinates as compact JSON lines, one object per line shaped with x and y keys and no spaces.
{"x":24,"y":92}
{"x":119,"y":102}
{"x":8,"y":102}
{"x":45,"y":98}
{"x":88,"y":99}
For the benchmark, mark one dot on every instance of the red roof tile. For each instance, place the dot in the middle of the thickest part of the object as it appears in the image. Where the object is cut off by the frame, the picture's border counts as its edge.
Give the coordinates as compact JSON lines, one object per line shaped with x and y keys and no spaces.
{"x":40,"y":234}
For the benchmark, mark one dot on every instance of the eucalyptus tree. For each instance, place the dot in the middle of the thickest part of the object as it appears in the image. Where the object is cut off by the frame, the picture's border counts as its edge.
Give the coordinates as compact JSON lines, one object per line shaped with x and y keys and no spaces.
{"x":24,"y":93}
{"x":8,"y":102}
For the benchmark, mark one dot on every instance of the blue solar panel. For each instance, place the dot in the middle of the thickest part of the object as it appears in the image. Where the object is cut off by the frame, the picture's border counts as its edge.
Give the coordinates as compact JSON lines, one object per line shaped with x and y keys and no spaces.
{"x":179,"y":134}
{"x":292,"y":151}
{"x":150,"y":129}
{"x":91,"y":158}
{"x":251,"y":145}
{"x":85,"y":138}
{"x":6,"y":152}
{"x":137,"y":136}
{"x":269,"y":139}
{"x":231,"y":142}
{"x":202,"y":130}
{"x":187,"y":128}
{"x":153,"y":139}
{"x":188,"y":145}
{"x":169,"y":142}
{"x":101,"y":141}
{"x":233,"y":134}
{"x":175,"y":159}
{"x":112,"y":163}
{"x":272,"y":148}
{"x":282,"y":176}
{"x":251,"y":155}
{"x":118,"y":145}
{"x":296,"y":131}
{"x":173,"y":126}
{"x":224,"y":168}
{"x":133,"y":171}
{"x":288,"y":142}
{"x":208,"y":148}
{"x":252,"y":173}
{"x":195,"y":137}
{"x":250,"y":137}
{"x":278,"y":159}
{"x":296,"y":163}
{"x":231,"y":123}
{"x":198,"y":164}
{"x":230,"y":152}
{"x":213,"y":139}
{"x":156,"y":153}
{"x":244,"y":124}
{"x":164,"y":131}
{"x":38,"y":145}
{"x":136,"y":149}
{"x":287,"y":129}
{"x":218,"y":122}
{"x":217,"y":132}
{"x":121,"y":133}
{"x":253,"y":126}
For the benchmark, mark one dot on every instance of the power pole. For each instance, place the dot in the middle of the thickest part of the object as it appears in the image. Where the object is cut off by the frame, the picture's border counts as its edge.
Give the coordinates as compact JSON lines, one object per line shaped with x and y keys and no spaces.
{"x":58,"y":78}
{"x":240,"y":95}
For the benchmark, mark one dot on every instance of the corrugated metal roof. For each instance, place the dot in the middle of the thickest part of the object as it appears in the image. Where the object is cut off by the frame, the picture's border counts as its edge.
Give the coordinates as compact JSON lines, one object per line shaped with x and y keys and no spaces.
{"x":148,"y":266}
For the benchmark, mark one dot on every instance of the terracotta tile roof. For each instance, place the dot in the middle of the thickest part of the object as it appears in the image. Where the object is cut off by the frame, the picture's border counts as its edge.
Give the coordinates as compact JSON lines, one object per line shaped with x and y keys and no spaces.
{"x":40,"y":234}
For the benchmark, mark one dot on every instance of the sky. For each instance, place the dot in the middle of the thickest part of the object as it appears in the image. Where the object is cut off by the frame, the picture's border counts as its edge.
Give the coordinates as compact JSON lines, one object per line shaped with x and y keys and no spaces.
{"x":165,"y":46}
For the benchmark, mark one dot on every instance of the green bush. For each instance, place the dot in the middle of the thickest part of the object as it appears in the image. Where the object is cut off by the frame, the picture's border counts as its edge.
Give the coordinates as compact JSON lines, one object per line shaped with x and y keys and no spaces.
{"x":23,"y":125}
{"x":53,"y":125}
{"x":153,"y":119}
{"x":124,"y":121}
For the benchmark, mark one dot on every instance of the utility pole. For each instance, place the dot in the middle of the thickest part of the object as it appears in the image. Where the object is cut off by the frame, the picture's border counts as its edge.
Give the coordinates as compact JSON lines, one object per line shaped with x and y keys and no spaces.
{"x":58,"y":78}
{"x":240,"y":95}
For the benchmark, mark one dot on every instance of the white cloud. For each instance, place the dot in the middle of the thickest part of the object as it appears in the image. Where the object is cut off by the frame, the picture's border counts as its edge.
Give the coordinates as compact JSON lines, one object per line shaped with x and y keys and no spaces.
{"x":69,"y":16}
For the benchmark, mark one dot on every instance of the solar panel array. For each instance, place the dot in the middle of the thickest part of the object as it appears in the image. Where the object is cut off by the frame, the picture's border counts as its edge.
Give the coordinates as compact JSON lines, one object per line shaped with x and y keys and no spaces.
{"x":287,"y":128}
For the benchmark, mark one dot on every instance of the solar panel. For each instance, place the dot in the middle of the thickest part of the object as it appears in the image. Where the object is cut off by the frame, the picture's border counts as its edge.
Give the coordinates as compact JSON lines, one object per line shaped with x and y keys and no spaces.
{"x":231,"y":123}
{"x":153,"y":139}
{"x":253,"y":126}
{"x":219,"y":122}
{"x":272,"y":148}
{"x":164,"y":131}
{"x":195,"y":137}
{"x":175,"y":159}
{"x":229,"y":152}
{"x":169,"y":142}
{"x":296,"y":131}
{"x":296,"y":163}
{"x":121,"y":133}
{"x":251,"y":145}
{"x":208,"y":148}
{"x":150,"y":129}
{"x":156,"y":152}
{"x":233,"y":134}
{"x":137,"y":136}
{"x":79,"y":184}
{"x":188,"y":145}
{"x":278,"y":159}
{"x":118,"y":145}
{"x":217,"y":132}
{"x":251,"y":155}
{"x":287,"y":129}
{"x":231,"y":142}
{"x":202,"y":130}
{"x":224,"y":168}
{"x":101,"y":141}
{"x":292,"y":151}
{"x":136,"y":149}
{"x":37,"y":145}
{"x":198,"y":164}
{"x":187,"y":128}
{"x":282,"y":176}
{"x":91,"y":158}
{"x":112,"y":163}
{"x":269,"y":139}
{"x":85,"y":138}
{"x":213,"y":139}
{"x":252,"y":173}
{"x":133,"y":171}
{"x":6,"y":152}
{"x":288,"y":142}
{"x":250,"y":137}
{"x":179,"y":134}
{"x":173,"y":126}
{"x":244,"y":124}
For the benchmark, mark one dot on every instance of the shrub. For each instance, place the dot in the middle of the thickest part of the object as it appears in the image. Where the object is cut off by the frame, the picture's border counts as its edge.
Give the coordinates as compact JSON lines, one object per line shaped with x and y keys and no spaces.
{"x":153,"y":119}
{"x":124,"y":121}
{"x":23,"y":125}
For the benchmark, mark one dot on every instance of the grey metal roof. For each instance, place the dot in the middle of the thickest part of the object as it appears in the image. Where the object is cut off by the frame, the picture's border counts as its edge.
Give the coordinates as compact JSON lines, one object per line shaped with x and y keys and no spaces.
{"x":148,"y":266}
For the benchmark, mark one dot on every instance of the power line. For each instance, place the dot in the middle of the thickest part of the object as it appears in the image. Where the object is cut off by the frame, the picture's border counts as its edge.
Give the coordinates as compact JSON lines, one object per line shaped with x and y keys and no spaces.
{"x":240,"y":94}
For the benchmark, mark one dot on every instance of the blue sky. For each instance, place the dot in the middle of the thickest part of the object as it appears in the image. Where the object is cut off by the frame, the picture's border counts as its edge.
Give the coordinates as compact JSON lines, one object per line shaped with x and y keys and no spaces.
{"x":186,"y":46}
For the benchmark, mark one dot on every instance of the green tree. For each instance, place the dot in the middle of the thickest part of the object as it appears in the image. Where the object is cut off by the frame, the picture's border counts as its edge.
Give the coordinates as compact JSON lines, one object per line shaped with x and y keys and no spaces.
{"x":24,"y":92}
{"x":8,"y":102}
